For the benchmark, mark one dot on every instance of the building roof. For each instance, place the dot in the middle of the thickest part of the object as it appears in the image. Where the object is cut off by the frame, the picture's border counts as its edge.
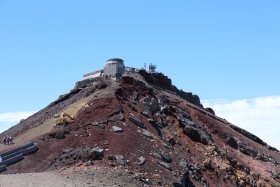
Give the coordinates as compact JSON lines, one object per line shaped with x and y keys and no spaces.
{"x":115,"y":60}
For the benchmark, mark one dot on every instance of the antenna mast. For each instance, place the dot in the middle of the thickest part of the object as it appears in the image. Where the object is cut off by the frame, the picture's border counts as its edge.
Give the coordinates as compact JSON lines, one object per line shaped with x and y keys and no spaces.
{"x":152,"y":68}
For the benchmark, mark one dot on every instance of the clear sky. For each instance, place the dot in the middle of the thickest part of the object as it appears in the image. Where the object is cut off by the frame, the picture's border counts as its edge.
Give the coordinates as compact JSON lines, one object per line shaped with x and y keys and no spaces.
{"x":217,"y":49}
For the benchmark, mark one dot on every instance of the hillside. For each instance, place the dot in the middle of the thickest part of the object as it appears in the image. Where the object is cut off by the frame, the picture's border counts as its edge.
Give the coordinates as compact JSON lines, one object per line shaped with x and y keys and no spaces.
{"x":147,"y":128}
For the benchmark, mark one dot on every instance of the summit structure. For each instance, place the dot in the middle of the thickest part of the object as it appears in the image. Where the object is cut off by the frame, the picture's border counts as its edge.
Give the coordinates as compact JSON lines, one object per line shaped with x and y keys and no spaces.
{"x":129,"y":123}
{"x":114,"y":69}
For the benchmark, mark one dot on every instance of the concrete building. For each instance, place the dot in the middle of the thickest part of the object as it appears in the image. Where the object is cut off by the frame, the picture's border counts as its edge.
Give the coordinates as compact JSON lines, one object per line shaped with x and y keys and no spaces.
{"x":131,"y":69}
{"x":114,"y":68}
{"x":93,"y":75}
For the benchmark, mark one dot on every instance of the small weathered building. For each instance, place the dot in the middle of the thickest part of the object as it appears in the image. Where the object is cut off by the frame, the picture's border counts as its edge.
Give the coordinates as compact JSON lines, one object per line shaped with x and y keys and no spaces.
{"x":93,"y":75}
{"x":130,"y":69}
{"x":114,"y":68}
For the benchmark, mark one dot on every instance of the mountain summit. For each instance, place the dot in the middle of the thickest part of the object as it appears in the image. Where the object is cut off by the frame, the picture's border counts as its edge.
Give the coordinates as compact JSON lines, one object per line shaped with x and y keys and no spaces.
{"x":137,"y":122}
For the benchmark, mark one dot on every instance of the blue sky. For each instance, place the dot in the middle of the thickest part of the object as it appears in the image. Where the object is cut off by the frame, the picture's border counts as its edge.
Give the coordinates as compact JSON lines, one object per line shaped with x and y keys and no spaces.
{"x":217,"y":49}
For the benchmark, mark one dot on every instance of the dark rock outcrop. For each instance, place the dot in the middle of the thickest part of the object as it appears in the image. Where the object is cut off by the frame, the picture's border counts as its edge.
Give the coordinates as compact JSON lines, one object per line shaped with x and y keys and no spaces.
{"x":73,"y":156}
{"x":248,"y":135}
{"x":137,"y":122}
{"x":119,"y":159}
{"x":185,"y":182}
{"x":247,"y":150}
{"x":208,"y":165}
{"x":162,"y":81}
{"x":165,"y":165}
{"x":117,"y":129}
{"x":231,"y":141}
{"x":57,"y":135}
{"x":163,"y":138}
{"x":210,"y":110}
{"x":195,"y":132}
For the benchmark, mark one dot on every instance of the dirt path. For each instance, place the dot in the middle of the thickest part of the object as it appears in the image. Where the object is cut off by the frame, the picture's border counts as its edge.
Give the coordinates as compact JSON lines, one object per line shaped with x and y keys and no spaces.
{"x":96,"y":178}
{"x":46,"y":127}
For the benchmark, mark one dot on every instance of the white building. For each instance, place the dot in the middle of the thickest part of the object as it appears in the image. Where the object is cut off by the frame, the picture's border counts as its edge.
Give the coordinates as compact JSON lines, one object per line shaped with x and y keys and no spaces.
{"x":114,"y":69}
{"x":93,"y":75}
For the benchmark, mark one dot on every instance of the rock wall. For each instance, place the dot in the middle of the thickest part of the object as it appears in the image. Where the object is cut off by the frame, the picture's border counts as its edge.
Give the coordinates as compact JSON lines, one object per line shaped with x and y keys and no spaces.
{"x":162,"y":81}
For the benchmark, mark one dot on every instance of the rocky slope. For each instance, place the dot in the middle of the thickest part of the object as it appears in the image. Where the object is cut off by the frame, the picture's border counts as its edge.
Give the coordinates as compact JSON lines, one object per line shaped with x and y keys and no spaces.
{"x":145,"y":126}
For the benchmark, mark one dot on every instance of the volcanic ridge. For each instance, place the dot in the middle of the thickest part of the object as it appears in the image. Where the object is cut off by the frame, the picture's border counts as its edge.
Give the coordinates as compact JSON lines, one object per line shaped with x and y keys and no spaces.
{"x":144,"y":127}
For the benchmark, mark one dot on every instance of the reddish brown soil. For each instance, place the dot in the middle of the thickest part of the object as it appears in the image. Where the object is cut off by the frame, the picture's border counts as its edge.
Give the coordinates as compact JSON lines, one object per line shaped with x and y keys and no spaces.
{"x":127,"y":97}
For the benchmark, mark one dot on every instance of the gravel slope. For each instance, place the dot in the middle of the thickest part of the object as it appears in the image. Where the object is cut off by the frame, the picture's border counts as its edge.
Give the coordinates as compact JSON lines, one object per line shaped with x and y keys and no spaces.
{"x":95,"y":178}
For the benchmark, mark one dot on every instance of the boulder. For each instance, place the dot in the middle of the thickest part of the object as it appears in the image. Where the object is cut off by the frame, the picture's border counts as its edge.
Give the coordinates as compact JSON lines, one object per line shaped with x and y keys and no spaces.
{"x":119,"y":159}
{"x":233,"y":162}
{"x":152,"y":104}
{"x":117,"y":129}
{"x":57,"y":135}
{"x":137,"y":122}
{"x":132,"y":107}
{"x":247,"y":150}
{"x":232,"y":142}
{"x":101,"y":85}
{"x":165,"y":157}
{"x":157,"y":125}
{"x":183,"y":163}
{"x":193,"y":170}
{"x":97,"y":153}
{"x":172,"y":141}
{"x":210,"y":110}
{"x":192,"y":130}
{"x":208,"y":165}
{"x":105,"y":142}
{"x":264,"y":158}
{"x":146,"y":114}
{"x":147,"y":134}
{"x":84,"y":133}
{"x":185,"y":181}
{"x":276,"y":176}
{"x":195,"y":132}
{"x":272,"y":148}
{"x":77,"y":155}
{"x":248,"y":135}
{"x":165,"y":165}
{"x":141,"y":161}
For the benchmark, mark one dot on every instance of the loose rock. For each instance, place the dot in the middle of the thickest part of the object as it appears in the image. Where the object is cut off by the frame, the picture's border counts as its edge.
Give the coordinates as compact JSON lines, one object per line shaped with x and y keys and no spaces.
{"x":165,"y":165}
{"x":119,"y":159}
{"x":208,"y":164}
{"x":117,"y":129}
{"x":147,"y":134}
{"x":141,"y":161}
{"x":137,"y":122}
{"x":97,"y":153}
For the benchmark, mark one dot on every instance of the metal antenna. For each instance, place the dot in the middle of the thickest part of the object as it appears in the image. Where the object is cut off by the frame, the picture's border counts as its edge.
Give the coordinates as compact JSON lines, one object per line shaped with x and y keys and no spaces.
{"x":152,"y":68}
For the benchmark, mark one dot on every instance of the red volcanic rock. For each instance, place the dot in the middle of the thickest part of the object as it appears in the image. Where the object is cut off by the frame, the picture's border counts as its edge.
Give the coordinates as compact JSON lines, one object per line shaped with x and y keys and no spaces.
{"x":145,"y":125}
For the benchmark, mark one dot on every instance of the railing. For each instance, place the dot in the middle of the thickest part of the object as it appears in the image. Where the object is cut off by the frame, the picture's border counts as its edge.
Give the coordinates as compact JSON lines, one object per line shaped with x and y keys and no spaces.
{"x":16,"y":155}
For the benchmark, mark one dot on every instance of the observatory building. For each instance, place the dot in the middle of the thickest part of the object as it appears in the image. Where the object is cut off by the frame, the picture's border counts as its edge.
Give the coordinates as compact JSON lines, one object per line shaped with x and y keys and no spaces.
{"x":114,"y":68}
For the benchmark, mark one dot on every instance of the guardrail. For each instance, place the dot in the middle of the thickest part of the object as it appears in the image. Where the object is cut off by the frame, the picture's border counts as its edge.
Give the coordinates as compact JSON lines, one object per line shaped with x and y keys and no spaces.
{"x":13,"y":160}
{"x":16,"y":155}
{"x":17,"y":149}
{"x":2,"y":168}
